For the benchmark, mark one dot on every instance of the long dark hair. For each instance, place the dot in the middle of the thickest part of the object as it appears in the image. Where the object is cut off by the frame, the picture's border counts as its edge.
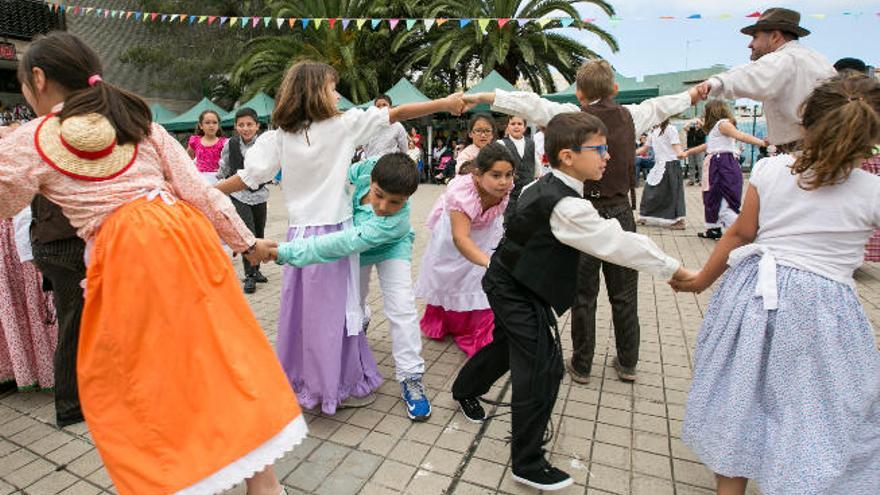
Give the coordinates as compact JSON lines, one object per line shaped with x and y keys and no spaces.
{"x":69,"y":62}
{"x":303,"y":97}
{"x":201,"y":132}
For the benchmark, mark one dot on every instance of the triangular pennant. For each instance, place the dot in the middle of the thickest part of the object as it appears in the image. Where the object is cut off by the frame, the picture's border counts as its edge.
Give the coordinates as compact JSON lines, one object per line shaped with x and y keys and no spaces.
{"x":279,"y":22}
{"x":483,"y":23}
{"x":233,"y":21}
{"x":754,"y":14}
{"x":522,"y":22}
{"x":318,"y":23}
{"x":502,"y":22}
{"x":146,"y":16}
{"x":137,"y":16}
{"x":410,"y":23}
{"x":428,"y":24}
{"x":88,"y":10}
{"x":374,"y":23}
{"x":544,"y":21}
{"x":667,"y":17}
{"x":254,"y":21}
{"x":223,"y":21}
{"x":694,"y":16}
{"x":305,"y":22}
{"x":442,"y":21}
{"x":211,"y":19}
{"x":244,"y":21}
{"x":164,"y":17}
{"x":173,"y":18}
{"x":345,"y":23}
{"x":463,"y":22}
{"x":820,"y":17}
{"x":191,"y":19}
{"x":291,"y":22}
{"x":202,"y":19}
{"x":566,"y":21}
{"x":393,"y":23}
{"x":266,"y":21}
{"x":725,"y":16}
{"x":128,"y":14}
{"x":99,"y":11}
{"x":106,"y":13}
{"x":360,"y":23}
{"x":153,"y":16}
{"x":589,"y":20}
{"x":332,"y":22}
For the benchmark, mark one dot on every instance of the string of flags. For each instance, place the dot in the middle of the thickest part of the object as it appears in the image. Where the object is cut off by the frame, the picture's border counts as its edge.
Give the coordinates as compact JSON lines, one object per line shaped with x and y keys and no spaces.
{"x":372,"y":23}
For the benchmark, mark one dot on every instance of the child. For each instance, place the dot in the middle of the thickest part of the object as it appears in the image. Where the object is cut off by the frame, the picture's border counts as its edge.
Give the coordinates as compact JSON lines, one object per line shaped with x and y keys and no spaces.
{"x":613,"y":197}
{"x":321,"y":344}
{"x":481,"y":130}
{"x":206,"y":144}
{"x":466,"y":225}
{"x":724,"y":180}
{"x":383,"y":236}
{"x":525,"y":160}
{"x":532,"y":275}
{"x":249,"y":203}
{"x":872,"y":249}
{"x":786,"y":384}
{"x":663,"y":197}
{"x":171,"y":361}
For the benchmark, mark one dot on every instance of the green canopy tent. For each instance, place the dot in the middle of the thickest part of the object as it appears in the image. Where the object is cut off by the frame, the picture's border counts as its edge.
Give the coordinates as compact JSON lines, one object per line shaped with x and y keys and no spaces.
{"x":402,"y":93}
{"x":187,"y":120}
{"x":344,"y":104}
{"x":261,"y":103}
{"x":161,"y":114}
{"x":624,"y":97}
{"x":489,"y":84}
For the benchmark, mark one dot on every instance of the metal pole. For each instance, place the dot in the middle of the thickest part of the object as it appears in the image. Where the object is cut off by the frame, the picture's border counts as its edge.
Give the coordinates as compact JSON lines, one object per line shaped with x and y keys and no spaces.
{"x":754,"y":126}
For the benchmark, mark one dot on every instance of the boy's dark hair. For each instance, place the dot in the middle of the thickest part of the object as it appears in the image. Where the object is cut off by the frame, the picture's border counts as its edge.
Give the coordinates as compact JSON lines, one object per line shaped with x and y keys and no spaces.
{"x":570,"y":130}
{"x":247,"y":112}
{"x":396,"y":173}
{"x":70,"y":63}
{"x":491,"y":153}
{"x":386,"y":98}
{"x":849,"y":63}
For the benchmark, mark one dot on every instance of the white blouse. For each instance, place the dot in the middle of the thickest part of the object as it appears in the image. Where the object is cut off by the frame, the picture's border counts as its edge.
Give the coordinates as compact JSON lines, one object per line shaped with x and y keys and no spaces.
{"x":719,"y":143}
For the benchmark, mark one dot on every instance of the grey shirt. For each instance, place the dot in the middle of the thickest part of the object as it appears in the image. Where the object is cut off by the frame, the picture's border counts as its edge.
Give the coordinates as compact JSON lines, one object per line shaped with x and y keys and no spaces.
{"x":393,"y":139}
{"x":246,"y":196}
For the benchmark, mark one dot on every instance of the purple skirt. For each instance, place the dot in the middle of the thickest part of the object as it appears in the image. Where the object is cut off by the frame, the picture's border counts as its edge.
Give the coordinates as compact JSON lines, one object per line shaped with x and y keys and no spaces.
{"x":323,"y":364}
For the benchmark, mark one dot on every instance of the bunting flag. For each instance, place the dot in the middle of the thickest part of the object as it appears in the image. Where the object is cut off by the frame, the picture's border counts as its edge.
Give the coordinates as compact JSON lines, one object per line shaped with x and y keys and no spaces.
{"x":482,"y":23}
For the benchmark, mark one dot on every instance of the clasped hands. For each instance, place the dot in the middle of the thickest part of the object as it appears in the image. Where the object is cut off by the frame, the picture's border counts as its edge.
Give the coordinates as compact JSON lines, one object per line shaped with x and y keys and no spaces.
{"x":264,"y":250}
{"x":685,"y":280}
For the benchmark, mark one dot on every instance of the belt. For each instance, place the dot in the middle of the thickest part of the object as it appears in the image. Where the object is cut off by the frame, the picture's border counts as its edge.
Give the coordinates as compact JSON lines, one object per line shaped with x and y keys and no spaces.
{"x":766,"y":285}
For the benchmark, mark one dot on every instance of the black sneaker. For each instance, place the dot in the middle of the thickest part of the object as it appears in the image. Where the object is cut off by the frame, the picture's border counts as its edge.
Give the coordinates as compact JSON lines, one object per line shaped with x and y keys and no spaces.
{"x":713,"y":234}
{"x":259,"y":277}
{"x":472,"y":410}
{"x":547,"y":478}
{"x":250,"y":285}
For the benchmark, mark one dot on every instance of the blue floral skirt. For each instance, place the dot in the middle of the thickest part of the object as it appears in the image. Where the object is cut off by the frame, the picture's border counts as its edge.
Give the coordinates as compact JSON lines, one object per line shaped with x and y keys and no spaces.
{"x":789,"y":398}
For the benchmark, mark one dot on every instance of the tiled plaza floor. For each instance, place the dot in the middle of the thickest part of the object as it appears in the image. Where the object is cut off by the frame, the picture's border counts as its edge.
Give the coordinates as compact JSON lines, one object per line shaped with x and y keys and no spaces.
{"x":612,"y":437}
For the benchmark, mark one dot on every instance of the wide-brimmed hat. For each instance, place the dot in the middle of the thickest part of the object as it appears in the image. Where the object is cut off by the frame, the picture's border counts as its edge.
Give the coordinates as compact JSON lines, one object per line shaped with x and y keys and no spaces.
{"x":83,"y":147}
{"x":784,"y":20}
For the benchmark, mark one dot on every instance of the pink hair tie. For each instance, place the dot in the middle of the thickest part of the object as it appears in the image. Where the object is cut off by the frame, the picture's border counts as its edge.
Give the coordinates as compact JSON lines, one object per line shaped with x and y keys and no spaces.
{"x":94,"y":79}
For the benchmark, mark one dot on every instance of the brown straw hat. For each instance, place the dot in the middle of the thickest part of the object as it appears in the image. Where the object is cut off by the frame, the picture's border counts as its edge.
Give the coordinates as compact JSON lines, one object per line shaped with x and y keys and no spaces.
{"x":784,"y":20}
{"x":83,"y":147}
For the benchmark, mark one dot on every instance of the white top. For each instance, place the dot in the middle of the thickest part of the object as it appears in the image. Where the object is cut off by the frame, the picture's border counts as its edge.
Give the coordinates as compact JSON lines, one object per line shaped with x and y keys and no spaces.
{"x":822,"y":231}
{"x":719,"y":143}
{"x":576,"y":223}
{"x":662,"y":143}
{"x":392,"y":139}
{"x":539,"y":145}
{"x":314,"y":164}
{"x":535,"y":109}
{"x":21,"y":222}
{"x":520,"y":145}
{"x":782,"y":80}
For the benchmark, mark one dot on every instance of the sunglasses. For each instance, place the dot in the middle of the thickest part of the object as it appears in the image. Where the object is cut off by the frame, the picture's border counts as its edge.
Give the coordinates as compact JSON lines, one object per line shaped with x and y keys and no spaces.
{"x":602,"y":149}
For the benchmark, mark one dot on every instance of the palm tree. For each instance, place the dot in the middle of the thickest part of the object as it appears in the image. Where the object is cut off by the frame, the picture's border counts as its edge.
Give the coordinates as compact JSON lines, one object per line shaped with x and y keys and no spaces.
{"x":514,"y":50}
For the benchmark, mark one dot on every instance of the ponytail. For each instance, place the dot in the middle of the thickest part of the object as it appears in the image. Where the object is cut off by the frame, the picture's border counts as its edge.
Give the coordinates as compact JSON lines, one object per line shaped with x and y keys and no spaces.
{"x":842,"y":125}
{"x":69,"y":62}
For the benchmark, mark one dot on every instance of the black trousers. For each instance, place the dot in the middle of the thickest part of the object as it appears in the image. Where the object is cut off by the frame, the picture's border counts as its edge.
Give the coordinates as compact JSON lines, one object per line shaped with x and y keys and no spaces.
{"x":254,"y":216}
{"x":61,"y":263}
{"x":622,"y":285}
{"x":522,"y":342}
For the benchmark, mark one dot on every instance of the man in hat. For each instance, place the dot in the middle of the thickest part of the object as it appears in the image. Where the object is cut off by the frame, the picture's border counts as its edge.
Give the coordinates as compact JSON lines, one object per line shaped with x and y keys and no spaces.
{"x":781,"y":75}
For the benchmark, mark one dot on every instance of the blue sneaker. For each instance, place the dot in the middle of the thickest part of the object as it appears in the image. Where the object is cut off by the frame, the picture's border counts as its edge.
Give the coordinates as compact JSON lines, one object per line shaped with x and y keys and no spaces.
{"x":413,"y":392}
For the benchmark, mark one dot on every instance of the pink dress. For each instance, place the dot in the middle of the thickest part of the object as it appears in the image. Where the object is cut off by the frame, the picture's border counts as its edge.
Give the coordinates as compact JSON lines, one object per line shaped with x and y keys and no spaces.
{"x":450,"y":284}
{"x":207,"y":157}
{"x":872,"y":249}
{"x":28,"y":331}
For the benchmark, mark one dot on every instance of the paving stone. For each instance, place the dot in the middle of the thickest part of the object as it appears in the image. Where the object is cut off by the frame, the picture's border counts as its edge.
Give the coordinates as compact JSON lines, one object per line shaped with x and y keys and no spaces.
{"x":349,"y":435}
{"x":646,"y":485}
{"x":609,"y":479}
{"x":652,"y":464}
{"x":341,"y":485}
{"x":409,"y":452}
{"x":483,"y":473}
{"x":14,"y":461}
{"x":427,"y":483}
{"x":378,"y":443}
{"x":393,"y":474}
{"x":441,"y":461}
{"x":29,"y":473}
{"x":308,"y":475}
{"x":611,"y":455}
{"x":81,"y":488}
{"x":359,"y":465}
{"x":693,"y":473}
{"x":52,"y":483}
{"x":69,"y":451}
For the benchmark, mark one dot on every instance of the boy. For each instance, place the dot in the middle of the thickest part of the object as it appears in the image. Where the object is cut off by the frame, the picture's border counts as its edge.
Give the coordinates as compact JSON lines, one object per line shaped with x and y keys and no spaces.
{"x":249,"y":203}
{"x":613,"y":197}
{"x":532,"y":275}
{"x":525,"y":159}
{"x":383,"y":236}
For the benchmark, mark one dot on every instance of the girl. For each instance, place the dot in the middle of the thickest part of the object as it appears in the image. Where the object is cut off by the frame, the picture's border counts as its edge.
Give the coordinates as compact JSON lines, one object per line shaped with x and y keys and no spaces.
{"x":206,"y":145}
{"x":663,"y":197}
{"x":320,"y":342}
{"x":177,"y":381}
{"x":466,"y":225}
{"x":722,"y":188}
{"x":786,"y":387}
{"x":482,"y":130}
{"x":872,"y":249}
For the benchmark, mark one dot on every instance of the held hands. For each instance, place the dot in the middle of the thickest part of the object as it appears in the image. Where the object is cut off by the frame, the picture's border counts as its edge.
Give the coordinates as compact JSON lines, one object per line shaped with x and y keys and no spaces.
{"x":455,"y":103}
{"x":477,"y":98}
{"x":685,"y":280}
{"x":683,"y":155}
{"x":264,"y":250}
{"x":703,"y":89}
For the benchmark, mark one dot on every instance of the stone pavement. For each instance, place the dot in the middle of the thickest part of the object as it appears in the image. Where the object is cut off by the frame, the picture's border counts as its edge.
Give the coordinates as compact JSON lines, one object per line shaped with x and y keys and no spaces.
{"x":614,"y":438}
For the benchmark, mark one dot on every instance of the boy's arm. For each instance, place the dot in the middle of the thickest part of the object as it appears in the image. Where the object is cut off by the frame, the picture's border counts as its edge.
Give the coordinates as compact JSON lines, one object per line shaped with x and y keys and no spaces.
{"x":576,"y":223}
{"x":331,"y":247}
{"x":223,"y":170}
{"x":525,"y":104}
{"x":655,"y":110}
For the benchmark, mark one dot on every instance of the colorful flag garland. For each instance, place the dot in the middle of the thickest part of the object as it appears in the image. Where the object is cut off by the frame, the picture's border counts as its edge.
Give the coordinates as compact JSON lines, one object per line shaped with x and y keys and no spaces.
{"x":483,"y":23}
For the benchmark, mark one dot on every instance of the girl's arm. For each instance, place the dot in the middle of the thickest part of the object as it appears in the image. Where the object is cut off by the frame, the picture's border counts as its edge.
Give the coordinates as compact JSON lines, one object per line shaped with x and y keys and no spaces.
{"x":453,"y":104}
{"x":695,"y":150}
{"x":642,"y":149}
{"x":191,"y":152}
{"x":743,"y":232}
{"x":461,"y":237}
{"x":730,"y":130}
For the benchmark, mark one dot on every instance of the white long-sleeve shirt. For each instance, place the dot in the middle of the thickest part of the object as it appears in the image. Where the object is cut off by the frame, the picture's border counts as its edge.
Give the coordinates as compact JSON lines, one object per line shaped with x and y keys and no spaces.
{"x":576,"y":223}
{"x":782,"y":80}
{"x":535,"y":109}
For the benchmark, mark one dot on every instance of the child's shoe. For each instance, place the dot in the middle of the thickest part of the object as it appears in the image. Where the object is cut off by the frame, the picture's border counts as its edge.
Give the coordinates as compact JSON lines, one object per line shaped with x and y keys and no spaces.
{"x":548,"y":478}
{"x":259,"y":277}
{"x":418,"y":408}
{"x":713,"y":234}
{"x":472,"y":409}
{"x":250,"y":285}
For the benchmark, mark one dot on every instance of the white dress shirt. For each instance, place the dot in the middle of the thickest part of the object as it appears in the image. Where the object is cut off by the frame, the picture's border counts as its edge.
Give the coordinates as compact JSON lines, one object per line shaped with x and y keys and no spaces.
{"x":576,"y":223}
{"x":782,"y":80}
{"x":535,"y":109}
{"x":392,"y":139}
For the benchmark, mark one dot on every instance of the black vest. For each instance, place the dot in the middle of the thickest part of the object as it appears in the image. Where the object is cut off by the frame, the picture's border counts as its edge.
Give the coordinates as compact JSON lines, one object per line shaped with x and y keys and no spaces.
{"x":524,"y":166}
{"x":236,"y":158}
{"x":530,"y":251}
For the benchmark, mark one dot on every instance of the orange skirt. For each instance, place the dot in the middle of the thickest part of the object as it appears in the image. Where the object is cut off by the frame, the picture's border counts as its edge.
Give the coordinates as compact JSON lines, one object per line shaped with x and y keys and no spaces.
{"x":179,"y":386}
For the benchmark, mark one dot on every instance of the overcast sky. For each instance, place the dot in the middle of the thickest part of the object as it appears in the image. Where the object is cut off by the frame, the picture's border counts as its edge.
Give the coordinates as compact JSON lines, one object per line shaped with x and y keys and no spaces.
{"x":649,"y":45}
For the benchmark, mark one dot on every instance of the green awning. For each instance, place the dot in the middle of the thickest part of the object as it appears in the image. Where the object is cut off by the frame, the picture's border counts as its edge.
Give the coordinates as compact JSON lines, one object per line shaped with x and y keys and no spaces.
{"x":402,"y":93}
{"x":262,"y":103}
{"x":489,"y":84}
{"x":344,"y":103}
{"x":161,"y":114}
{"x":627,"y":97}
{"x":187,"y":120}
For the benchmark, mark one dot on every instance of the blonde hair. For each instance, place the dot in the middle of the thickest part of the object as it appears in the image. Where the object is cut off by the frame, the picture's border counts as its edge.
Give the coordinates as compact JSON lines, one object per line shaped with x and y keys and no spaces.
{"x":595,"y":79}
{"x":841,"y":119}
{"x":303,"y":97}
{"x":715,"y":111}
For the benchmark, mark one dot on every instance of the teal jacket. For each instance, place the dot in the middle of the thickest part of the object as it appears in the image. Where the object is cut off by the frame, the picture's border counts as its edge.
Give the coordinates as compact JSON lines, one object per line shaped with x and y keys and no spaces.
{"x":376,"y":238}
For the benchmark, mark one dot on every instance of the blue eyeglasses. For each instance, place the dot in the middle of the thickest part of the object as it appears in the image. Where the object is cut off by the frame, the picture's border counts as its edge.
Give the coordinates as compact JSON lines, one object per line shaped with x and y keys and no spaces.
{"x":602,"y":149}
